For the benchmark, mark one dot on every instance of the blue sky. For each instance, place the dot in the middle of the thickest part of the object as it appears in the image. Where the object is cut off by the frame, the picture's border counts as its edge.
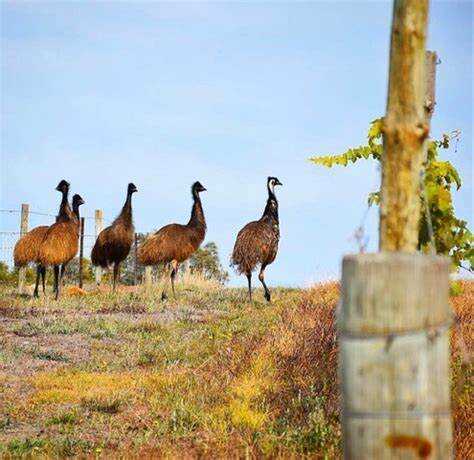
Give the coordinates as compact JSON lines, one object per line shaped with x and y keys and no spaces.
{"x":163,"y":94}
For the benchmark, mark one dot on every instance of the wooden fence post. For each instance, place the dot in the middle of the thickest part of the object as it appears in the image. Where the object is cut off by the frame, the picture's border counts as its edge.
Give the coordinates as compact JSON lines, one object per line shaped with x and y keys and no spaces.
{"x":99,"y":225}
{"x":148,"y":275}
{"x":394,"y":356}
{"x":135,"y":260}
{"x":81,"y":252}
{"x":394,"y":320}
{"x":405,"y":128}
{"x":25,"y":213}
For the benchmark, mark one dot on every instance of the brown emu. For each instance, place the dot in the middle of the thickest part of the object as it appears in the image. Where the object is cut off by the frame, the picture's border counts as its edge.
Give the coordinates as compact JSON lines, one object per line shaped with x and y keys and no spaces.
{"x":60,"y":244}
{"x":27,"y":247}
{"x":114,"y":242}
{"x":257,"y":242}
{"x":175,"y":243}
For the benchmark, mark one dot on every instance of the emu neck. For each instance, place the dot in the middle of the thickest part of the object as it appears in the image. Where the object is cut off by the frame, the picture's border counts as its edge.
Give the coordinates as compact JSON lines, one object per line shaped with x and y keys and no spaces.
{"x":197,"y":214}
{"x":64,"y":209}
{"x":126,"y":213}
{"x":75,"y":210}
{"x":271,"y":208}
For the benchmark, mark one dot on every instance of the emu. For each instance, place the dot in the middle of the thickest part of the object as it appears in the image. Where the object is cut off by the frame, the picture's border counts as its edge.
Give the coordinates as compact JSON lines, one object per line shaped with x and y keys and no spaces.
{"x":27,"y":247}
{"x":114,"y":242}
{"x":60,"y":244}
{"x":174,"y":243}
{"x":257,"y":242}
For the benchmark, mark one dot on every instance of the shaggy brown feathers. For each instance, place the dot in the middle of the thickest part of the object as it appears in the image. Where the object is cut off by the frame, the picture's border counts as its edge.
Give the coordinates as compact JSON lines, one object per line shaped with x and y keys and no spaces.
{"x":61,"y":242}
{"x":175,"y":243}
{"x":27,"y":247}
{"x":257,"y":242}
{"x":114,"y":242}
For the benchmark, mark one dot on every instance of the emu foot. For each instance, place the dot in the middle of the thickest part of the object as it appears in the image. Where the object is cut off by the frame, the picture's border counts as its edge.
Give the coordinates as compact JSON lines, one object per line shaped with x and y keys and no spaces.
{"x":163,"y":296}
{"x":267,"y":296}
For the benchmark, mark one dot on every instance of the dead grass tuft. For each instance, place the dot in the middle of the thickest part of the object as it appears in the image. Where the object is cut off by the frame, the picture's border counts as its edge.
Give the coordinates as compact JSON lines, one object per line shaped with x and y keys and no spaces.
{"x":206,"y":376}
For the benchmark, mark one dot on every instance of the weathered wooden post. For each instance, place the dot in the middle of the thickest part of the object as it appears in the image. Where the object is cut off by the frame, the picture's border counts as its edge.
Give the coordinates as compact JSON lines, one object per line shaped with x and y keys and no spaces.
{"x":24,"y":218}
{"x":99,"y":225}
{"x":135,"y":260}
{"x":394,"y":318}
{"x":148,"y":276}
{"x":81,"y":252}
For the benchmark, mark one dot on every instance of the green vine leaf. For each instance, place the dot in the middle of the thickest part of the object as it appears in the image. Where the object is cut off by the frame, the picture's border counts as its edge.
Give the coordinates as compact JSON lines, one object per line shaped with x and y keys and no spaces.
{"x":451,"y":234}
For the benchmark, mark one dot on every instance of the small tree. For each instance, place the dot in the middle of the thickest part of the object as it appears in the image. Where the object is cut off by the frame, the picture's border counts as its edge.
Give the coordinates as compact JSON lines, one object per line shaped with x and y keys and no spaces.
{"x":450,"y":234}
{"x":206,"y":261}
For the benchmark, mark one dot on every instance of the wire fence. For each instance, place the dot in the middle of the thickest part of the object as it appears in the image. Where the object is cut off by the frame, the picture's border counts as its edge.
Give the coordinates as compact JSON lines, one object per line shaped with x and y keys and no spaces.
{"x":10,"y":230}
{"x":14,"y":223}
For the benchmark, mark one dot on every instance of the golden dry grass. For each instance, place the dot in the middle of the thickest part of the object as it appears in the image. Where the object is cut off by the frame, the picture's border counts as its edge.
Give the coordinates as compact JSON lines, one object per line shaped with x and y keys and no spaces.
{"x":208,"y":375}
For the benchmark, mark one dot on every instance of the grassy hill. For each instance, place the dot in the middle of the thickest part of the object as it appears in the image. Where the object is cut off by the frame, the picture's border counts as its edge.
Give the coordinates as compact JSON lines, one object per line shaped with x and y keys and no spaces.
{"x":208,"y":374}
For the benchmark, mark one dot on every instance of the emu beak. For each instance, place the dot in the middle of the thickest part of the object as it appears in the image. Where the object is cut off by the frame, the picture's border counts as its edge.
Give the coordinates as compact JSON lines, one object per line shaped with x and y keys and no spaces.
{"x":278,"y":182}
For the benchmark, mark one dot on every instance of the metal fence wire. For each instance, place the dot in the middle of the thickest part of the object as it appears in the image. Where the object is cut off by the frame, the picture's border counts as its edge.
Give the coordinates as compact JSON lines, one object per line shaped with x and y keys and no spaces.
{"x":16,"y":222}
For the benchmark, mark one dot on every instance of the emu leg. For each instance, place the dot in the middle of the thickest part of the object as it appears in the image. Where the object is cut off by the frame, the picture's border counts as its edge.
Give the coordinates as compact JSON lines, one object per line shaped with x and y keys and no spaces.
{"x":38,"y":272}
{"x":261,"y":277}
{"x":164,"y":296}
{"x":249,"y":279}
{"x":56,"y":281}
{"x":63,"y":269}
{"x":43,"y":278}
{"x":174,"y":272}
{"x":116,"y":272}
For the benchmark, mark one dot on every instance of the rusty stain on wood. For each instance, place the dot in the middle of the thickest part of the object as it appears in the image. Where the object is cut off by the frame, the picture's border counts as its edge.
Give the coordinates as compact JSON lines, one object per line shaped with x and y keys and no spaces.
{"x":421,"y":445}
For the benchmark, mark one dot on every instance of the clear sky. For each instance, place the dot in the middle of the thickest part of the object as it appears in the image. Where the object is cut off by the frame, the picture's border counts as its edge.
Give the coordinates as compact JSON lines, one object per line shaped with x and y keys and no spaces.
{"x":163,"y":94}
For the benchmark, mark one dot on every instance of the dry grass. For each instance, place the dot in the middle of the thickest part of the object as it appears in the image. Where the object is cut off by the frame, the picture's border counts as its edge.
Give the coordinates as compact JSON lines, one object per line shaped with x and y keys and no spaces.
{"x":207,"y":375}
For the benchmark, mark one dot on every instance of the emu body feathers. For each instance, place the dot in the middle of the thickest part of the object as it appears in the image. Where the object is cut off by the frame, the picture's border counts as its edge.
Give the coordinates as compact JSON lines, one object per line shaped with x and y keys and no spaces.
{"x":114,"y":242}
{"x":174,"y":243}
{"x":27,"y":247}
{"x":257,"y":242}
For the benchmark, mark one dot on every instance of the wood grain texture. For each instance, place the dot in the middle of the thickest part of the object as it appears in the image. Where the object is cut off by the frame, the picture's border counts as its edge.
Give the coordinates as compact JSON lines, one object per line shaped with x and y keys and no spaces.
{"x":394,"y":356}
{"x":405,"y":128}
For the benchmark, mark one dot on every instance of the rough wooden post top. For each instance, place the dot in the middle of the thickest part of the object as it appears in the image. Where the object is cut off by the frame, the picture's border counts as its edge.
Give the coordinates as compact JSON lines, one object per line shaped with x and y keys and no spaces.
{"x":389,"y":292}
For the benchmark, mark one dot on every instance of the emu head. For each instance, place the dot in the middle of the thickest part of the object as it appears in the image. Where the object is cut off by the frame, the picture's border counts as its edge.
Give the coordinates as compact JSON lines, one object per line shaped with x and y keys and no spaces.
{"x":197,"y":187}
{"x":77,"y":201}
{"x":271,"y":182}
{"x":63,"y":186}
{"x":131,"y":188}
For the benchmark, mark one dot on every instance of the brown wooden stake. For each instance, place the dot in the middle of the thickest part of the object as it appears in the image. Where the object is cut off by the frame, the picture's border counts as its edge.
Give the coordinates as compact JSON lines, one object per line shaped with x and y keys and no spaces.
{"x":81,"y":252}
{"x":394,"y":356}
{"x":135,"y":260}
{"x":25,"y":213}
{"x":99,"y":225}
{"x":394,"y":320}
{"x":405,"y":128}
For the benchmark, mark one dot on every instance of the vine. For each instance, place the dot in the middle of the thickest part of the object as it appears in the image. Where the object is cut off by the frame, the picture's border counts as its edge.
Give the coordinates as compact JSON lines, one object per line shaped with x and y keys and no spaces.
{"x":451,"y":235}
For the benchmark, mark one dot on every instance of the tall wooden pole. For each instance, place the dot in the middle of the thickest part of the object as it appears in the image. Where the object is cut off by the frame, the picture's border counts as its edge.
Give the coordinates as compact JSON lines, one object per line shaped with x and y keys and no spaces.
{"x":99,"y":225}
{"x":405,"y":128}
{"x":394,"y":320}
{"x":135,"y":260}
{"x":25,"y":213}
{"x":81,"y":252}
